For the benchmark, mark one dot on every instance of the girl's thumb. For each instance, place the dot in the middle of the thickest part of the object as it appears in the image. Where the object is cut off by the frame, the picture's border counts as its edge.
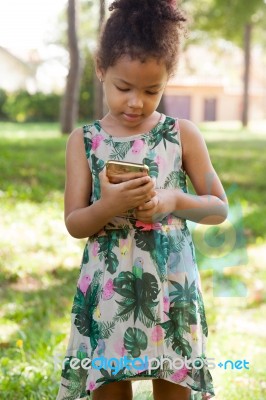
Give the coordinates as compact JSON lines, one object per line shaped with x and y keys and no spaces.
{"x":103,"y":176}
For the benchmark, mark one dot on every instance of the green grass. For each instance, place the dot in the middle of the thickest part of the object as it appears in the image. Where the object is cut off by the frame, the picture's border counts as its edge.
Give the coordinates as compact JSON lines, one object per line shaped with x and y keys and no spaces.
{"x":39,"y":261}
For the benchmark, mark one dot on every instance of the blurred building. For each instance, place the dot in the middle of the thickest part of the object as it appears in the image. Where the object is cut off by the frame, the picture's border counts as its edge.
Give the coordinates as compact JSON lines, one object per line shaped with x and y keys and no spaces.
{"x":41,"y":70}
{"x":208,"y":85}
{"x":15,"y":73}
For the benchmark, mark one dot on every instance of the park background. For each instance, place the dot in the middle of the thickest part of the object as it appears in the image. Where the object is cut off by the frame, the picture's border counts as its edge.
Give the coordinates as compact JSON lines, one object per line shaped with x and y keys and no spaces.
{"x":221,"y":85}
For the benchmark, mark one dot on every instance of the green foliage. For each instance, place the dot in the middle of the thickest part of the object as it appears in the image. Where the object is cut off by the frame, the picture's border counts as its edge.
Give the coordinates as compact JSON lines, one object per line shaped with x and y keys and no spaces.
{"x":3,"y":98}
{"x":86,"y":98}
{"x":226,"y":18}
{"x":25,"y":107}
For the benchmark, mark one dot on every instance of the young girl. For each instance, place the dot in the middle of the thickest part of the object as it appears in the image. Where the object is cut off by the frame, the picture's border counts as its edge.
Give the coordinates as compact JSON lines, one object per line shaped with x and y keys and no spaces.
{"x":138,"y":298}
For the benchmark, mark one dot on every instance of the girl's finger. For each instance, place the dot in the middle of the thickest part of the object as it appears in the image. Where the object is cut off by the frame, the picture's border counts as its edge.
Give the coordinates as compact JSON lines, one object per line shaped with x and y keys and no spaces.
{"x":130,"y":176}
{"x":103,"y":176}
{"x":147,"y":206}
{"x":135,"y":183}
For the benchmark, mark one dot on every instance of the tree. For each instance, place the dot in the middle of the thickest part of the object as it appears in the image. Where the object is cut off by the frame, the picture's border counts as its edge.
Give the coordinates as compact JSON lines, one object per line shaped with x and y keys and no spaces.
{"x":98,"y":89}
{"x":69,"y":108}
{"x":86,"y":95}
{"x":234,"y":20}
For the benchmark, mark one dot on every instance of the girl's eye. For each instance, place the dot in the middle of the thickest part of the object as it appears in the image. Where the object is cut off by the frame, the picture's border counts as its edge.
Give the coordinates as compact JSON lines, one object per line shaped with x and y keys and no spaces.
{"x":152,"y":93}
{"x":122,"y":89}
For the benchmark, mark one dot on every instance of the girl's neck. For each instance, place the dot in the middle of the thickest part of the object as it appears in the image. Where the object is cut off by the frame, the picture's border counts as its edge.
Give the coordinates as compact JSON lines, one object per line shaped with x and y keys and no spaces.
{"x":113,"y":128}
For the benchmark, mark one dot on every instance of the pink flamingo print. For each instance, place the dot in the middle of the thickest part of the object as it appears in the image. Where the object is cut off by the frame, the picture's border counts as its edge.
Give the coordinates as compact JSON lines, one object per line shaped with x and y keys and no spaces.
{"x":84,"y":283}
{"x":137,"y":146}
{"x":96,"y":141}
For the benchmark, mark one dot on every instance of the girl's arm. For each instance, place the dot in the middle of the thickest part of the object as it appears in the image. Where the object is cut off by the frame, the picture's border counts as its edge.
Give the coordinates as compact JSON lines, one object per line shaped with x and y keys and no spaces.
{"x":82,"y":219}
{"x":209,"y":205}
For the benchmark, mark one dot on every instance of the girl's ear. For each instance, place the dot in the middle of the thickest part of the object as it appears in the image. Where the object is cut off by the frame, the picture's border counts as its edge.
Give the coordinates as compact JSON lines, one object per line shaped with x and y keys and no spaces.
{"x":99,"y":71}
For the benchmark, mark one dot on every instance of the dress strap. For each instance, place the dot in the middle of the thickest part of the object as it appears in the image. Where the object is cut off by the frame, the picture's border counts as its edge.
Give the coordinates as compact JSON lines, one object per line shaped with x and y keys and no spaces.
{"x":177,"y":124}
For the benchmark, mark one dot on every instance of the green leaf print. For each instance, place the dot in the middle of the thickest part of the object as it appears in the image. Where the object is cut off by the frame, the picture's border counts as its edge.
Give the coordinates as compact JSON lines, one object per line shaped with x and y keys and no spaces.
{"x":150,"y":287}
{"x":182,"y":180}
{"x":135,"y":340}
{"x":97,"y":126}
{"x":84,"y":307}
{"x":88,"y":145}
{"x":166,"y":372}
{"x":172,"y":180}
{"x":124,"y":284}
{"x":181,"y":346}
{"x":85,"y":258}
{"x":111,"y":262}
{"x":87,"y":140}
{"x":107,"y":243}
{"x":184,"y":301}
{"x":192,"y":251}
{"x":202,"y":315}
{"x":111,"y":377}
{"x":185,"y":294}
{"x":77,"y":381}
{"x":175,"y":331}
{"x":176,"y":179}
{"x":120,"y":150}
{"x":157,"y":244}
{"x":164,"y":132}
{"x":79,"y":302}
{"x":153,"y":167}
{"x":97,"y":166}
{"x":176,"y":245}
{"x":145,"y":240}
{"x":87,"y":326}
{"x":202,"y":379}
{"x":139,"y":291}
{"x":182,"y":314}
{"x":106,"y":329}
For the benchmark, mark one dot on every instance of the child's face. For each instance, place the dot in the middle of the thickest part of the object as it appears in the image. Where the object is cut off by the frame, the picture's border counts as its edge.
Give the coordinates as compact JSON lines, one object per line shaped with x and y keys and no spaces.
{"x":134,"y":89}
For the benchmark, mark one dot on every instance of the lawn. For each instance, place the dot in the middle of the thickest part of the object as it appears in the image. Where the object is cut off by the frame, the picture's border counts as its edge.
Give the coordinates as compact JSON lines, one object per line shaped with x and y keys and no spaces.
{"x":39,"y":262}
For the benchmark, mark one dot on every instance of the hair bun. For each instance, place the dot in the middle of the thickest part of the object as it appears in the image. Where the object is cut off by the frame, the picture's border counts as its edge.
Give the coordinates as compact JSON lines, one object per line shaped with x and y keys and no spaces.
{"x":152,"y":9}
{"x":128,"y":5}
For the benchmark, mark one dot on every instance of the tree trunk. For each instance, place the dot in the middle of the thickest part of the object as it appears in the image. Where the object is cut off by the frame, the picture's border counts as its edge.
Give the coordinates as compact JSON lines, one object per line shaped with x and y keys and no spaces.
{"x":69,"y":110}
{"x":246,"y":80}
{"x":98,"y":89}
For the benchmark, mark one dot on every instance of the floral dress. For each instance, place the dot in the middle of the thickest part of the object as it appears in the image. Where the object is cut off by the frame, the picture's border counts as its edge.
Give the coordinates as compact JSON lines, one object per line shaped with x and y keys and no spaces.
{"x":138,"y":299}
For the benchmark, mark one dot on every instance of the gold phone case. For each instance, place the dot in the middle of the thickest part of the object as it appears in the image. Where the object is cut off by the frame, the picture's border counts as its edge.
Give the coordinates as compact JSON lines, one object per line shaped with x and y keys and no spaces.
{"x":122,"y":167}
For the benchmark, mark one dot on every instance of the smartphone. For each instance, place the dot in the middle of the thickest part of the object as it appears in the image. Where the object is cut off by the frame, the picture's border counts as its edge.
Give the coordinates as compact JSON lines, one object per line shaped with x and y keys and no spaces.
{"x":114,"y":170}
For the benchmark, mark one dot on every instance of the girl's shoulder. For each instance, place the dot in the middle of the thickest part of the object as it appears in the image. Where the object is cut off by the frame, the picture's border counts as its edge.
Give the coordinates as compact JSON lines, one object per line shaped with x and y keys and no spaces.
{"x":188,"y":127}
{"x":190,"y":136}
{"x":193,"y":143}
{"x":76,"y":135}
{"x":75,"y":141}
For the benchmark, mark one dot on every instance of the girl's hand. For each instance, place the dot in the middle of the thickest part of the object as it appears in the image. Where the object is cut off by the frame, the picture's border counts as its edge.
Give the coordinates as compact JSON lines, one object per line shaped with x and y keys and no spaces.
{"x":121,"y":197}
{"x":153,"y":210}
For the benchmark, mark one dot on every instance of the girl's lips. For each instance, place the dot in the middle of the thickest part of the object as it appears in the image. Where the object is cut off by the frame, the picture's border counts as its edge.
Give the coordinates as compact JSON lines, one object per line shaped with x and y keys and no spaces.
{"x":132,"y":117}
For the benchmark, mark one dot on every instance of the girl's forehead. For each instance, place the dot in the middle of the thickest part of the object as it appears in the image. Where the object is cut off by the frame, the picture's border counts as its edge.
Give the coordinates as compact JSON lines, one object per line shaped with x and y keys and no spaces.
{"x":149,"y":70}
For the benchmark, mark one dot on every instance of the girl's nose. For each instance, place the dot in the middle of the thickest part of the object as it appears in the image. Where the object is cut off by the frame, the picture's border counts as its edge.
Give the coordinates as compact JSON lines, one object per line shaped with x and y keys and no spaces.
{"x":135,"y":101}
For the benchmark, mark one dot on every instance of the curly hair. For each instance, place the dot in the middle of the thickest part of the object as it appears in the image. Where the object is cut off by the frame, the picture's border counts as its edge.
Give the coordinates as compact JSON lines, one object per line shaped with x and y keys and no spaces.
{"x":141,"y":29}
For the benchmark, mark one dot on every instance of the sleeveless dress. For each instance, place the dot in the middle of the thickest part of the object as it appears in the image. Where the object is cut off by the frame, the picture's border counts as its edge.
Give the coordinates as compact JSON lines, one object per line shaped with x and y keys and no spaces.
{"x":138,"y":299}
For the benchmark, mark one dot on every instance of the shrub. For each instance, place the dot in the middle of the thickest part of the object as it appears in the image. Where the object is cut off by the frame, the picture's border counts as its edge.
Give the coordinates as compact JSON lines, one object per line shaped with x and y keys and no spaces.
{"x":25,"y":107}
{"x":86,"y":96}
{"x":3,"y":98}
